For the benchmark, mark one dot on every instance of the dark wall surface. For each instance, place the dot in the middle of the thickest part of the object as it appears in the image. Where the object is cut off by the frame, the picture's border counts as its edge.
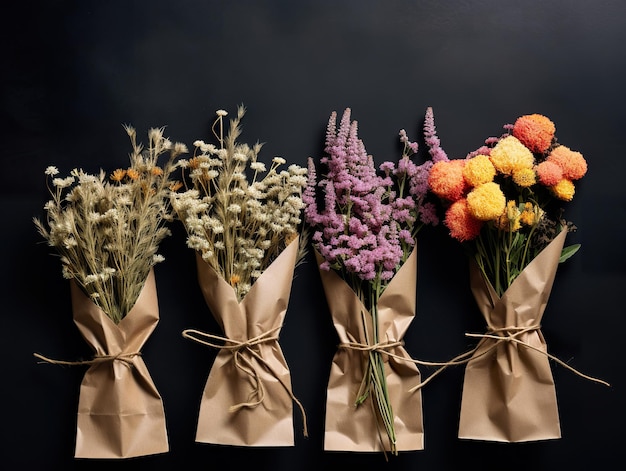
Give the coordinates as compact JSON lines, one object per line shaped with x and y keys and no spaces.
{"x":74,"y":71}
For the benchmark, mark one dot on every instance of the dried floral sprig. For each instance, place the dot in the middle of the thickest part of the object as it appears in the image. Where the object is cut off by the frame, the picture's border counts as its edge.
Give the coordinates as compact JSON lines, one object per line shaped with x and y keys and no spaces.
{"x":238,"y":214}
{"x":503,"y":200}
{"x":364,"y":224}
{"x":107,"y":228}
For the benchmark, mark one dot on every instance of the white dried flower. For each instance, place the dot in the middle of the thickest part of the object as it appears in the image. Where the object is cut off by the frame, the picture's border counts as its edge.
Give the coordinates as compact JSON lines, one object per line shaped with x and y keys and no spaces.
{"x":243,"y":221}
{"x":90,"y":216}
{"x":158,"y":258}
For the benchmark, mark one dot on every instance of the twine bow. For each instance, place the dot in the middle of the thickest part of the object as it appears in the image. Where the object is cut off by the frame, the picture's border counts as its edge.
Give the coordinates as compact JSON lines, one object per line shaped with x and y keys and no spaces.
{"x":380,"y":347}
{"x":241,"y":352}
{"x":501,"y":335}
{"x":125,"y":357}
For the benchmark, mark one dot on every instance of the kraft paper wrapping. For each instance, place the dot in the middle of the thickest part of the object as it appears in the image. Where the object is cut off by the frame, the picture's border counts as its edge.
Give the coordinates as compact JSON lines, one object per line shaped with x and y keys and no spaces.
{"x":508,"y":390}
{"x":351,"y":428}
{"x":120,"y":412}
{"x":247,"y":398}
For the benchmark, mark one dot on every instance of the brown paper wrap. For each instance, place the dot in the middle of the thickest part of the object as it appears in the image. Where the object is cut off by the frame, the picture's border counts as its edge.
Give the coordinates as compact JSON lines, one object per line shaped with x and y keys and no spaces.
{"x":351,"y":428}
{"x":508,"y":390}
{"x":120,"y":412}
{"x":248,"y":398}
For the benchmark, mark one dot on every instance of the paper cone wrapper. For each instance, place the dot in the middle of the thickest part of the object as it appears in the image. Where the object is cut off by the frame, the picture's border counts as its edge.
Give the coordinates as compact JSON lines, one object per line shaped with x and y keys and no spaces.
{"x":261,"y":311}
{"x":351,"y":428}
{"x":508,"y":389}
{"x":120,"y":412}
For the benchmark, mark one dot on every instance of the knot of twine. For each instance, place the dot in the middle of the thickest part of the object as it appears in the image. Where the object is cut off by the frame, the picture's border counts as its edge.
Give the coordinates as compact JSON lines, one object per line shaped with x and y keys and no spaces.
{"x":125,"y":357}
{"x":242,"y":351}
{"x":380,"y":347}
{"x":501,"y":335}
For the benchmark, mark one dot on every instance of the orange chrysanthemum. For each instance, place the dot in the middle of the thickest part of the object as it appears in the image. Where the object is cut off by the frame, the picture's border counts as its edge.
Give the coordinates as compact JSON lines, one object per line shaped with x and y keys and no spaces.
{"x":564,"y":190}
{"x":549,"y":173}
{"x":118,"y":175}
{"x":132,"y":174}
{"x":478,"y":170}
{"x":446,"y":179}
{"x":175,"y":186}
{"x":462,"y":225}
{"x":535,"y":131}
{"x":572,"y":163}
{"x":509,"y":155}
{"x":486,"y":202}
{"x":194,"y":163}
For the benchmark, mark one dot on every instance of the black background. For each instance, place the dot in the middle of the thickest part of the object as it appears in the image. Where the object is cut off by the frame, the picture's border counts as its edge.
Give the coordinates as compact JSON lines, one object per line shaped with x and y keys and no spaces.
{"x":74,"y":71}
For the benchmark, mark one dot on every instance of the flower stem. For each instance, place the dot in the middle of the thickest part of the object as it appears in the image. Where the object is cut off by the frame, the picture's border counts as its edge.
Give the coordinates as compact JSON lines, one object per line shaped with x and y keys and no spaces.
{"x":378,"y":381}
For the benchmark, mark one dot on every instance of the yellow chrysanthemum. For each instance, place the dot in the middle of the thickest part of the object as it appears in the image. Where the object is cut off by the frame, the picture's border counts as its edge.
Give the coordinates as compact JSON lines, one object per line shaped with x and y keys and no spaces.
{"x":530,"y":215}
{"x":510,"y":155}
{"x":509,"y":220}
{"x":564,"y":190}
{"x":486,"y":202}
{"x":524,"y":177}
{"x":478,"y":170}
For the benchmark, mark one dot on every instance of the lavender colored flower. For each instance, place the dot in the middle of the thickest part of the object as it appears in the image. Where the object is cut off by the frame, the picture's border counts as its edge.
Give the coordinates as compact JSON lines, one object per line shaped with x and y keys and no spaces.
{"x":365,"y":220}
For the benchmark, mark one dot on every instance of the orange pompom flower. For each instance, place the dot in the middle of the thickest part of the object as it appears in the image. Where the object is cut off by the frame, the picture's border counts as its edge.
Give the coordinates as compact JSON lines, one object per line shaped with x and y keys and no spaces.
{"x":486,"y":202}
{"x":572,"y":163}
{"x":462,"y":225}
{"x":509,"y":154}
{"x":564,"y":190}
{"x":446,"y":179}
{"x":535,"y":131}
{"x":549,"y":173}
{"x":478,"y":170}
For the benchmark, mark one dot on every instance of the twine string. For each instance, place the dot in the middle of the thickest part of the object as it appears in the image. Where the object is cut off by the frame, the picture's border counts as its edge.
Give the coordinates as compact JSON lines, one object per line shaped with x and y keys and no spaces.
{"x":500,"y":335}
{"x":125,"y":357}
{"x":243,"y":352}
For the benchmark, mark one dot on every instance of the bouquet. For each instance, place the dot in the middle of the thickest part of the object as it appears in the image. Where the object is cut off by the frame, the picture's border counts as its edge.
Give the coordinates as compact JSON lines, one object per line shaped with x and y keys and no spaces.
{"x":503,"y":203}
{"x":364,"y":223}
{"x":106,"y":230}
{"x":243,"y":221}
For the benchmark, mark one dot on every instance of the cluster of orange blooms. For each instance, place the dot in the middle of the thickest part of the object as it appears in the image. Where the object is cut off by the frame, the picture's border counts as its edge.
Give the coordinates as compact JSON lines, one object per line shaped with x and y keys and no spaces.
{"x":504,"y":181}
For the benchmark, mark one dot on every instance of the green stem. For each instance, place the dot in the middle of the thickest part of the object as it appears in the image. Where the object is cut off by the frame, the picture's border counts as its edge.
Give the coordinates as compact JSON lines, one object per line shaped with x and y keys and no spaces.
{"x":377,"y":367}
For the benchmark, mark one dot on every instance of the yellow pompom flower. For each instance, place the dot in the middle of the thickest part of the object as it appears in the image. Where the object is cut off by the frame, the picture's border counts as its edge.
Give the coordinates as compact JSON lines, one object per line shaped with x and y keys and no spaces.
{"x":524,"y":177}
{"x":509,"y":155}
{"x":478,"y":170}
{"x":486,"y":202}
{"x":564,"y":190}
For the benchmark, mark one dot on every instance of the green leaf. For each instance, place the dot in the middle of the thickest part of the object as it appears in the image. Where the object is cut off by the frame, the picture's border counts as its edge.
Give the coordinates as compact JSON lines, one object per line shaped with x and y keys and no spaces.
{"x":568,"y":251}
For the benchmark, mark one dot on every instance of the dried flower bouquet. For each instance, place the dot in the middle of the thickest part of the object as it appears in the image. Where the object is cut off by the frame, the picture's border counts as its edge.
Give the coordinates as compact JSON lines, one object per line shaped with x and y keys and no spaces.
{"x":107,"y":230}
{"x":364,"y":224}
{"x":243,"y":222}
{"x":503,"y":203}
